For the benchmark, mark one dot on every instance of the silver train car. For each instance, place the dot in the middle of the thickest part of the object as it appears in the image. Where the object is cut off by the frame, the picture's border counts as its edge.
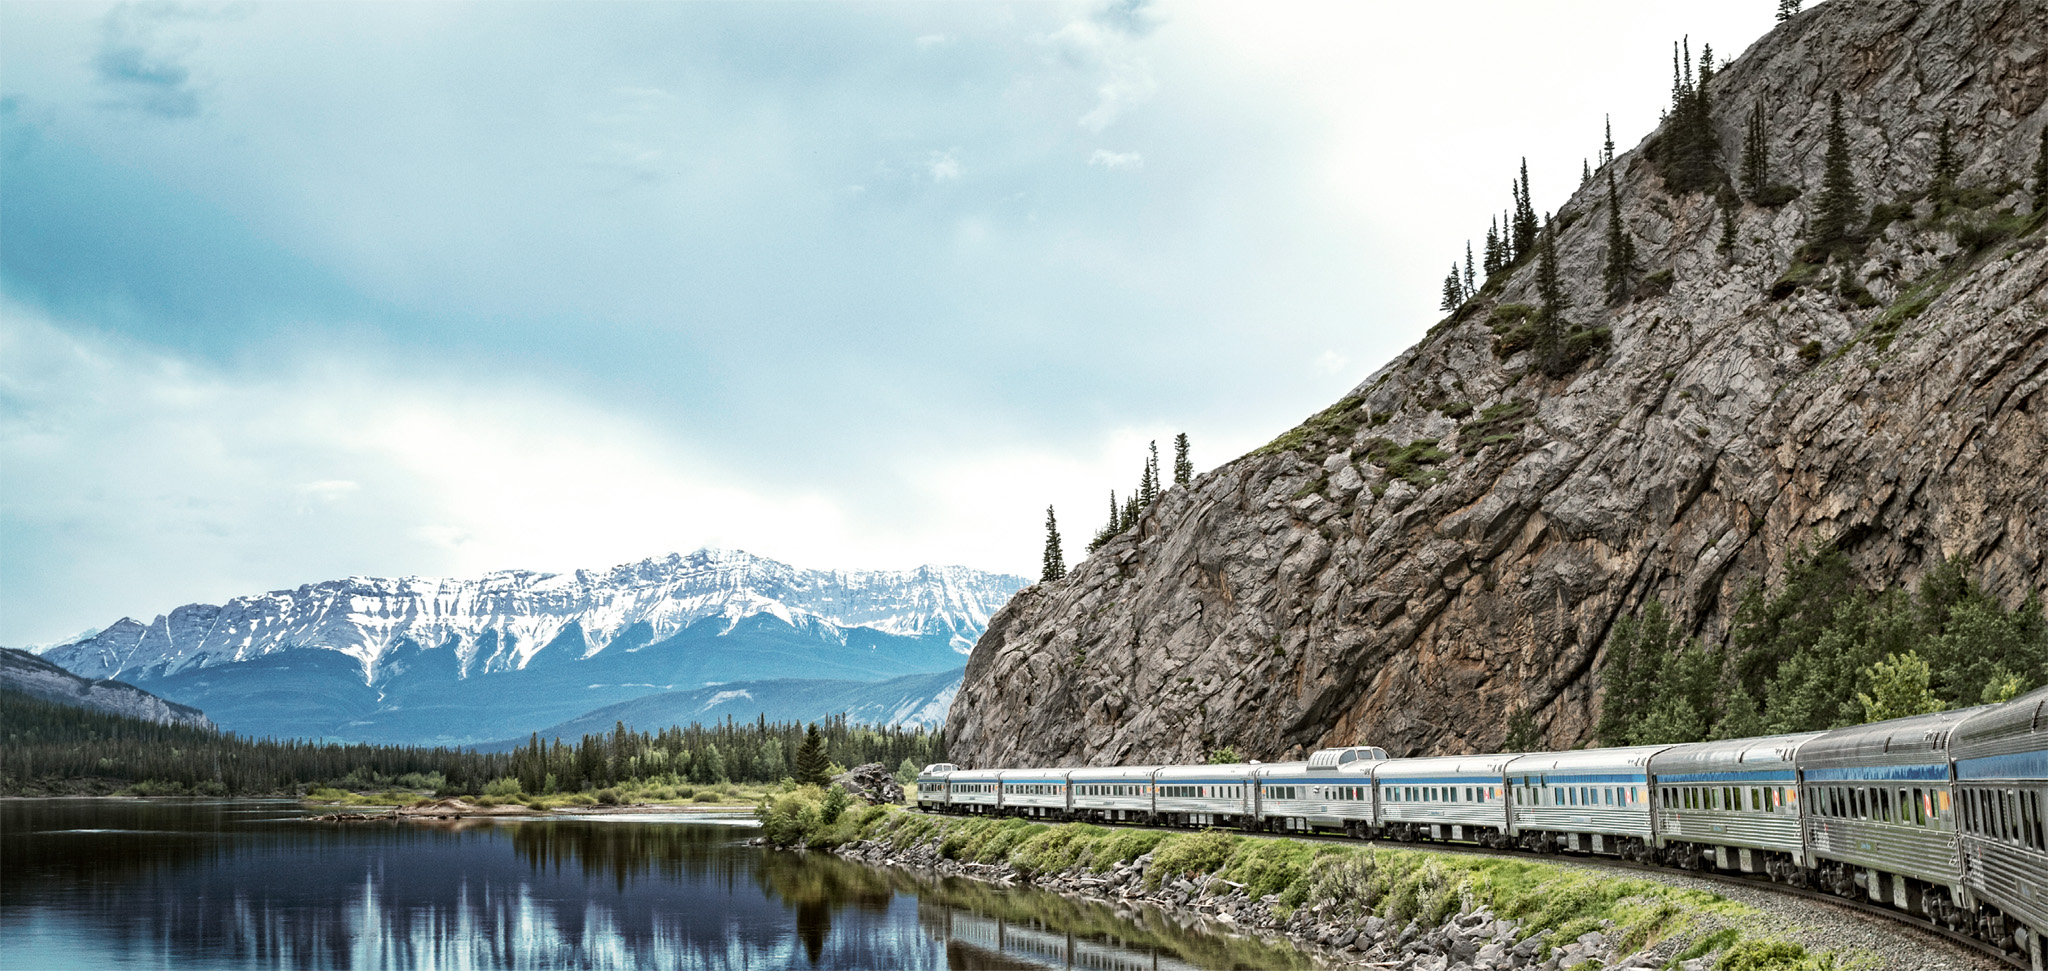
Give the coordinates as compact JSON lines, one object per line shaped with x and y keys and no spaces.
{"x":1878,"y":812}
{"x":1457,"y":797}
{"x":1733,"y":805}
{"x":2001,"y":800}
{"x":1113,"y":794}
{"x":1588,"y":801}
{"x":1332,"y":791}
{"x":1204,"y":795}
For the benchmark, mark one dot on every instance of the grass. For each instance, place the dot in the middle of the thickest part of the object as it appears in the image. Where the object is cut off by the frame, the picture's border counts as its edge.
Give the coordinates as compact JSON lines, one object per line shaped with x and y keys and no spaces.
{"x":1495,"y":425}
{"x":1349,"y":881}
{"x":1334,"y":424}
{"x":1410,"y":462}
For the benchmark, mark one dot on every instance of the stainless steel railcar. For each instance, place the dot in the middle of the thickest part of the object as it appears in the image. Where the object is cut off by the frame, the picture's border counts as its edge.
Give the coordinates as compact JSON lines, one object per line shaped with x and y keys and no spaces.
{"x":931,"y":785}
{"x":1733,"y":805}
{"x":1589,"y":801}
{"x":2001,"y":796}
{"x":1034,"y":792}
{"x":1204,"y":795}
{"x":1113,"y":794}
{"x":1877,"y":812}
{"x":1458,"y":797}
{"x":1331,"y":791}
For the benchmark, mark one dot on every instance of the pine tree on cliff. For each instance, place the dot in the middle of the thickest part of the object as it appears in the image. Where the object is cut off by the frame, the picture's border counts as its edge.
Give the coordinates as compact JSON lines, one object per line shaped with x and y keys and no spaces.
{"x":1109,"y":529}
{"x":1469,"y":280}
{"x":1942,"y":186}
{"x":1453,"y":293}
{"x":1835,"y":214}
{"x":1585,"y":173}
{"x":1621,"y":251}
{"x":1525,"y":215}
{"x":1183,"y":467}
{"x":1493,"y":261}
{"x":1786,"y":8}
{"x":813,"y":766}
{"x":1148,"y":485}
{"x":1756,"y":157}
{"x":1607,"y":147}
{"x":1550,"y":330}
{"x":1055,"y":565}
{"x":2041,"y":174}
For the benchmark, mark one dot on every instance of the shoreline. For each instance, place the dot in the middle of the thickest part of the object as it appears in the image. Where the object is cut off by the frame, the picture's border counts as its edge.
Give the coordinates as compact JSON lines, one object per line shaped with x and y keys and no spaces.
{"x":1370,"y":905}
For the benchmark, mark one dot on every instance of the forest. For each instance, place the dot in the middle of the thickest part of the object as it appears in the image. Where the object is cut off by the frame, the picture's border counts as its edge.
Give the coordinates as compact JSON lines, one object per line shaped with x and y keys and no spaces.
{"x":52,"y":748}
{"x":1818,"y":651}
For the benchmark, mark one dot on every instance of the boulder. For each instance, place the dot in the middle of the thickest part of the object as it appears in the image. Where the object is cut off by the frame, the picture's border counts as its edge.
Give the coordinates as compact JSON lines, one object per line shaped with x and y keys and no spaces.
{"x":871,"y":782}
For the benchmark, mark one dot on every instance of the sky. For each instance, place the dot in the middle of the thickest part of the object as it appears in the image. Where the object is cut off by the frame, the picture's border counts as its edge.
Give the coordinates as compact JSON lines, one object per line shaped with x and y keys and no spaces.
{"x":291,"y":292}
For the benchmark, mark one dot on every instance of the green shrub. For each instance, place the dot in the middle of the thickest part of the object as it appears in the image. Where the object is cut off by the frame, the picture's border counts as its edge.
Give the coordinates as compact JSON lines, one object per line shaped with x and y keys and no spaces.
{"x":1331,"y":425}
{"x":1764,"y":955}
{"x":1410,"y":461}
{"x":705,"y":797}
{"x":608,"y":796}
{"x":503,"y":787}
{"x":833,"y":806}
{"x":1189,"y":854}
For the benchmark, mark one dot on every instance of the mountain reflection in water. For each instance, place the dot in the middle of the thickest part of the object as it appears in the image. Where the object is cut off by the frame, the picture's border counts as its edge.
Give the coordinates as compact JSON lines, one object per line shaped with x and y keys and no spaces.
{"x":119,"y":883}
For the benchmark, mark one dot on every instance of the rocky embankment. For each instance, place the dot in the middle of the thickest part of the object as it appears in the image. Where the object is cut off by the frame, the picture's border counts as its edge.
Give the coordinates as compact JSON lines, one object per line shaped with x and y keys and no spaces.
{"x":1450,"y":544}
{"x":1477,"y":940}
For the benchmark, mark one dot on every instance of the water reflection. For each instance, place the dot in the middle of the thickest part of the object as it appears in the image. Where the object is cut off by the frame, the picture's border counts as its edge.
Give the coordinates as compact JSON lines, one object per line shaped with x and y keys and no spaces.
{"x":103,"y":883}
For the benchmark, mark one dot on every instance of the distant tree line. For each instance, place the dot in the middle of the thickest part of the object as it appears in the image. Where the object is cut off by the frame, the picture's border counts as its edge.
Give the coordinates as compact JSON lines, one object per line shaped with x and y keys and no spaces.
{"x":760,"y":751}
{"x":54,"y":747}
{"x":48,"y":745}
{"x":1820,"y":651}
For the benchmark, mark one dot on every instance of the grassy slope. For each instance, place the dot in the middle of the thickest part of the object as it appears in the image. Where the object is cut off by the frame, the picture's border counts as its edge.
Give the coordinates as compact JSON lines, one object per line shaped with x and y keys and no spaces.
{"x":1347,"y":881}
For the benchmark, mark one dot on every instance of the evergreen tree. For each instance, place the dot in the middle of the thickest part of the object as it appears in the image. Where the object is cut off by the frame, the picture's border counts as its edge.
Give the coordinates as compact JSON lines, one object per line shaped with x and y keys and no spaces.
{"x":1607,"y":146}
{"x":813,"y":765}
{"x":1110,"y":528}
{"x":1898,"y":688}
{"x":1453,"y":293}
{"x":1525,"y":227}
{"x":1689,"y":153}
{"x":1183,"y":467}
{"x":1470,"y":289}
{"x":1550,"y":333}
{"x":1494,"y":260}
{"x":1585,"y":173}
{"x":2041,"y":173}
{"x":1756,"y":159}
{"x":1621,"y":251}
{"x":1055,"y":565}
{"x":1148,"y":483}
{"x":1942,"y":186}
{"x":1728,"y":214}
{"x":1835,"y":214}
{"x":1786,"y":8}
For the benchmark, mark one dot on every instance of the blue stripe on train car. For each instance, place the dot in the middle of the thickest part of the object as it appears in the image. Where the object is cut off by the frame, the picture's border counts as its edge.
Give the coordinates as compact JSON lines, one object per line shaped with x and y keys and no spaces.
{"x":1771,"y":775}
{"x":1558,"y":778}
{"x":1936,"y":772}
{"x":1404,"y":780}
{"x":2018,"y":765}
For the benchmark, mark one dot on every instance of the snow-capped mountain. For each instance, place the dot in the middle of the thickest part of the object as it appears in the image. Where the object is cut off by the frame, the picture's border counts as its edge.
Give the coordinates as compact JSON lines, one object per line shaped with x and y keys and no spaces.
{"x":368,"y":657}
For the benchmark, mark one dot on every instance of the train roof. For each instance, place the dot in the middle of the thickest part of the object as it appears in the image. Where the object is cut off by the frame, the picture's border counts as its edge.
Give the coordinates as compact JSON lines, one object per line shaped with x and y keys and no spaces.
{"x":939,"y":768}
{"x":1233,"y":771}
{"x":974,"y":775}
{"x":1632,"y":759}
{"x":2019,"y":725}
{"x":1119,"y":772}
{"x":1473,"y":765}
{"x":1914,"y":740}
{"x":1337,"y":758}
{"x":1731,"y":755}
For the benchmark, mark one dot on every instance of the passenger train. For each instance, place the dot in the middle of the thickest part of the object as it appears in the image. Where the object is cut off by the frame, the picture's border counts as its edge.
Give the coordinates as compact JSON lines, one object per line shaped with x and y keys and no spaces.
{"x":1944,"y":816}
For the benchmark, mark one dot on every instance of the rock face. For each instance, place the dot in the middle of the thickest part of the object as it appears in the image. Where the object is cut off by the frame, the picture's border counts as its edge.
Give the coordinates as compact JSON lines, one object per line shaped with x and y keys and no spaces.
{"x":871,"y":782}
{"x":30,"y":675}
{"x":1330,"y":590}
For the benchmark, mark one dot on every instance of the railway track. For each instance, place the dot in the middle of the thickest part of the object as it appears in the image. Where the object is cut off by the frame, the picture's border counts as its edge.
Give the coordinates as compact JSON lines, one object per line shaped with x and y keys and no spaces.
{"x":1757,"y":881}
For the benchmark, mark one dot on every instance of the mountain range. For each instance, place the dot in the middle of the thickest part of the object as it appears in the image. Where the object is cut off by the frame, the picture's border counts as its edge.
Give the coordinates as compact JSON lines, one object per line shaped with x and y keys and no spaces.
{"x":462,"y":661}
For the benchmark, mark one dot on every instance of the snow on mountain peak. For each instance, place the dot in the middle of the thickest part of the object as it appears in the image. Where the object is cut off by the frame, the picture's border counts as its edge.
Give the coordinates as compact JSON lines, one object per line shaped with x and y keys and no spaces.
{"x":502,"y":619}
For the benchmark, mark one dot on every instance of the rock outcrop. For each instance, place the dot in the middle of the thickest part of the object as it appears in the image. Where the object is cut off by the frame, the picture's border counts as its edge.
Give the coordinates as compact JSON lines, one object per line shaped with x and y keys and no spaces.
{"x":1452,"y":541}
{"x":30,"y":675}
{"x":872,"y":783}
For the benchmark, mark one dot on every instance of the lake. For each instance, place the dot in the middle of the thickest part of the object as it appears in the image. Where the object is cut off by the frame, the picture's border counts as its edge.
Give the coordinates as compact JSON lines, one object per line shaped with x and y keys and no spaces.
{"x":114,"y":883}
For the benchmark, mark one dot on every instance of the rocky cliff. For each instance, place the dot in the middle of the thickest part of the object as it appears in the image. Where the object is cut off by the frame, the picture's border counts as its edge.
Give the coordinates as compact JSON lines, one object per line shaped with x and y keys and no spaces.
{"x":1453,"y":540}
{"x":30,"y":675}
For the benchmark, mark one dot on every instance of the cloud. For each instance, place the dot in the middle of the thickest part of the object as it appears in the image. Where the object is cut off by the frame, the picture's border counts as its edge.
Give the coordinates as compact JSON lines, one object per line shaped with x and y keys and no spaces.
{"x":142,"y":56}
{"x":1332,"y":362}
{"x":942,"y":166}
{"x":1117,"y":161}
{"x":928,"y":41}
{"x":1102,"y":45}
